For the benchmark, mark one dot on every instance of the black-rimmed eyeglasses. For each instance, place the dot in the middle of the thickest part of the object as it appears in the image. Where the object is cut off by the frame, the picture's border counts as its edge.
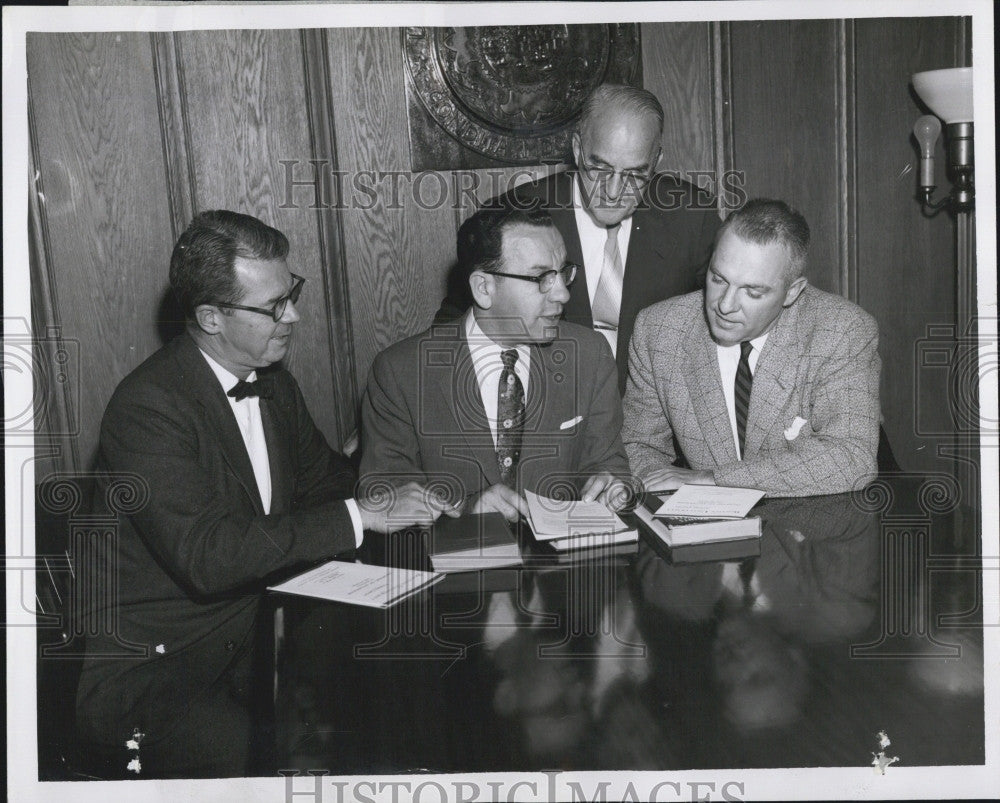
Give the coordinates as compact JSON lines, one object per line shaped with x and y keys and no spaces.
{"x":280,"y":305}
{"x":545,"y":281}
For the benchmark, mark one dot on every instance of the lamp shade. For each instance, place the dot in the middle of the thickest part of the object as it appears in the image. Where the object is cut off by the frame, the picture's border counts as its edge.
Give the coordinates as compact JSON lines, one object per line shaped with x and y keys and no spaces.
{"x":948,"y":93}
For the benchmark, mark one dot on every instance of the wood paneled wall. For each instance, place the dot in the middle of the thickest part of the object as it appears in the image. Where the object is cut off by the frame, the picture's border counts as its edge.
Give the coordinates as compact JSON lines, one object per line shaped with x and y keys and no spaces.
{"x":132,"y":133}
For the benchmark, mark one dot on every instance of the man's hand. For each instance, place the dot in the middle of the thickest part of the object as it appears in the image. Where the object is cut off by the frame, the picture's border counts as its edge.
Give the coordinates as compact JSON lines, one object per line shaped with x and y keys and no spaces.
{"x":500,"y":499}
{"x":607,"y":489}
{"x":411,"y":504}
{"x":672,"y":478}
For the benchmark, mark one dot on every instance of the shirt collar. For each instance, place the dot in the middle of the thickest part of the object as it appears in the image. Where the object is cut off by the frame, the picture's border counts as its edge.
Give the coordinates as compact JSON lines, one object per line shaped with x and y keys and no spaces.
{"x":479,"y":341}
{"x":226,"y":378}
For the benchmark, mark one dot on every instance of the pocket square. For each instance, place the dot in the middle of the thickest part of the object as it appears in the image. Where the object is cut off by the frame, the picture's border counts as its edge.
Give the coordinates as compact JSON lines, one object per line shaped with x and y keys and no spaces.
{"x":793,"y":431}
{"x":571,"y":423}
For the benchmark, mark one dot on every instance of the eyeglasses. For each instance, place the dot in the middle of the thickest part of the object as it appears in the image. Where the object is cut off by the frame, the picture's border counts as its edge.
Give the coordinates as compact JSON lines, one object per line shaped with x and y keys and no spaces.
{"x":545,"y":281}
{"x":279,"y":306}
{"x":602,"y":174}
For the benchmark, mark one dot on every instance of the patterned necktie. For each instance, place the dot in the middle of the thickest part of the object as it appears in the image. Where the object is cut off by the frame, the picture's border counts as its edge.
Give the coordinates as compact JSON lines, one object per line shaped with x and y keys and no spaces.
{"x":741,"y":397}
{"x":608,"y":298}
{"x":510,"y":419}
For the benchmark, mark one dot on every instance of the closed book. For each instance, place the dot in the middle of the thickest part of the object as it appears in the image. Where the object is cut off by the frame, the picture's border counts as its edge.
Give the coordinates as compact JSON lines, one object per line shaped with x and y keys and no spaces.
{"x":473,"y":541}
{"x":594,"y":541}
{"x":689,"y":540}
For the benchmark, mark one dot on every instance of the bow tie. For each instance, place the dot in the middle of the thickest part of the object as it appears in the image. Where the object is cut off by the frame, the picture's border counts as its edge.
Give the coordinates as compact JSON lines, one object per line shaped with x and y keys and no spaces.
{"x":242,"y":389}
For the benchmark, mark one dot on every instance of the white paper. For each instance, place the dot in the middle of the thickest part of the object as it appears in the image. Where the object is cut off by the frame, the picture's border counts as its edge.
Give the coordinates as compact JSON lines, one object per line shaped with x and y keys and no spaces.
{"x":551,"y":518}
{"x":358,"y":583}
{"x":710,"y":502}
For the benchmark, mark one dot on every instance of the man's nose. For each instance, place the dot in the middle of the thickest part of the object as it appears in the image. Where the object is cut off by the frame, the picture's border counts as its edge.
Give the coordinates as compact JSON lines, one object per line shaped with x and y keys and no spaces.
{"x":729,"y":302}
{"x":615,"y":186}
{"x":291,"y":314}
{"x":559,"y":291}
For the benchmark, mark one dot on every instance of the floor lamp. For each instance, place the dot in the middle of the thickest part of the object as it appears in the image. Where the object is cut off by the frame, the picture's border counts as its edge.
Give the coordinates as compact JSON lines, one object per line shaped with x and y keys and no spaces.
{"x":948,"y":93}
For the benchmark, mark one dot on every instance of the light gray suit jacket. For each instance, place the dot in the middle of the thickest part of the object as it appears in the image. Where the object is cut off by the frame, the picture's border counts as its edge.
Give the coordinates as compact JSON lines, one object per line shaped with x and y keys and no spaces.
{"x":819,"y":364}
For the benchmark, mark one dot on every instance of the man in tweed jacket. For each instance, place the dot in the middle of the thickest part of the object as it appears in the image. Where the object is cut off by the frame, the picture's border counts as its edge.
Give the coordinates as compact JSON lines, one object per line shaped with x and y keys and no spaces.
{"x":811,"y":425}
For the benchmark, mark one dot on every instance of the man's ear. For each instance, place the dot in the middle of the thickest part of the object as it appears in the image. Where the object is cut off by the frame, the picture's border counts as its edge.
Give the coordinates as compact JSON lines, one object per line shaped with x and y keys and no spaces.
{"x":482,"y":285}
{"x":794,"y":291}
{"x":577,"y":148}
{"x":207,"y":317}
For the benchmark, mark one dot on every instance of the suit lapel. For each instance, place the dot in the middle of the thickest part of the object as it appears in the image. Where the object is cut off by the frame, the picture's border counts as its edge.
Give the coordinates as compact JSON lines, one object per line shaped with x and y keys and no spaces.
{"x":577,"y":309}
{"x":465,"y":406}
{"x":644,"y":249}
{"x":279,"y":454}
{"x":774,"y":379}
{"x":549,"y":400}
{"x":195,"y":372}
{"x":705,"y":384}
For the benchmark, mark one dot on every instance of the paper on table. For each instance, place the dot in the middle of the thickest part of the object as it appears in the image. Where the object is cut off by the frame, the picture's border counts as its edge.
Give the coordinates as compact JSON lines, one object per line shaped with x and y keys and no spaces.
{"x":358,"y":583}
{"x":551,"y":518}
{"x":709,"y":502}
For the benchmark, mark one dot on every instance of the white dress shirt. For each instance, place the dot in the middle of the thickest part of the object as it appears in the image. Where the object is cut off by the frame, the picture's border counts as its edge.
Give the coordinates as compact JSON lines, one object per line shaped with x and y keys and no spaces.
{"x":729,"y":361}
{"x":488,"y":365}
{"x":247,"y":413}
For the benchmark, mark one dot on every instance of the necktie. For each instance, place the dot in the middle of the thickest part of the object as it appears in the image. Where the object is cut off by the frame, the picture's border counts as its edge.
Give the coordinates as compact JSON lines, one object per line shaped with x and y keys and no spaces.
{"x":741,"y":397}
{"x":608,"y":298}
{"x":510,"y":418}
{"x":242,"y":389}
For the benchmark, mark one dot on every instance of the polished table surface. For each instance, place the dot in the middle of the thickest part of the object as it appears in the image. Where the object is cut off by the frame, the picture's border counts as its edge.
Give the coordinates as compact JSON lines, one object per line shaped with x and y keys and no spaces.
{"x":861,"y":614}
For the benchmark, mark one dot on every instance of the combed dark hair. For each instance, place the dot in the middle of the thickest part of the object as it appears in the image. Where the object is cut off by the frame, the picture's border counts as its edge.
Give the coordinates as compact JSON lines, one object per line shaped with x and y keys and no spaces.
{"x":764,"y":221}
{"x":622,"y":98}
{"x":202,"y":266}
{"x":480,"y":238}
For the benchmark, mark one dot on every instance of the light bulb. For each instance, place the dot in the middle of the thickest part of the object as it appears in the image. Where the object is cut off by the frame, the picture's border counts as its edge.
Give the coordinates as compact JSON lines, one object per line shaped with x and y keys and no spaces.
{"x":927,"y":130}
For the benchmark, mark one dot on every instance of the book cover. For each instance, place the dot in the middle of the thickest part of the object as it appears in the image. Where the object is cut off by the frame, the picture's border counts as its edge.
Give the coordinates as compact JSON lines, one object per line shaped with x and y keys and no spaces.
{"x":692,"y":540}
{"x":473,"y":541}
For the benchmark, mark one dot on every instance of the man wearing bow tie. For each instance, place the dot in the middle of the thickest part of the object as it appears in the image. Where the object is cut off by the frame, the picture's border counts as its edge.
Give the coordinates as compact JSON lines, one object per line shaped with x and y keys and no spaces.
{"x":508,"y":397}
{"x":241,"y":487}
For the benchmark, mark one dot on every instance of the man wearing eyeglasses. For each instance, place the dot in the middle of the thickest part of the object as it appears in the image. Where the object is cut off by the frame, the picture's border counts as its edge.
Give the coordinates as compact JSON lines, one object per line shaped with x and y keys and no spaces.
{"x":508,"y":397}
{"x":638,"y":235}
{"x":238,"y":486}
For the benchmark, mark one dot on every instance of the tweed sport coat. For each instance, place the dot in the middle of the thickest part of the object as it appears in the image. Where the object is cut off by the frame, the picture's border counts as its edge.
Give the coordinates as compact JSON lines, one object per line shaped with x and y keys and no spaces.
{"x":819,"y":365}
{"x":193,"y":561}
{"x":423,"y":417}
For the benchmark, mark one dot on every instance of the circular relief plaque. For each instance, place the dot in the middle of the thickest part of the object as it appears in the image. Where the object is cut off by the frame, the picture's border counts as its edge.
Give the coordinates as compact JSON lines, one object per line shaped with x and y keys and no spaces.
{"x":513,"y":93}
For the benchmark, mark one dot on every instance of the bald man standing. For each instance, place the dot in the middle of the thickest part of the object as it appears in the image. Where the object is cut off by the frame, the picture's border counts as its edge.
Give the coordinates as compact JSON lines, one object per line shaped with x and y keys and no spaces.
{"x":640,"y":236}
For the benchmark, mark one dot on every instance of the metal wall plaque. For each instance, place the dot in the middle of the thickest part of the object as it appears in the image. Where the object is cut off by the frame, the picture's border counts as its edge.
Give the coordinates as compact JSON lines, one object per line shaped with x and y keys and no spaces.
{"x":504,"y":95}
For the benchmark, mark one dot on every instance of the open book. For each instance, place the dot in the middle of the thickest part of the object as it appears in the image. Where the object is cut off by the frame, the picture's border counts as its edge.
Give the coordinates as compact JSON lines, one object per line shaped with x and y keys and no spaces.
{"x":703,"y":536}
{"x":575,"y":525}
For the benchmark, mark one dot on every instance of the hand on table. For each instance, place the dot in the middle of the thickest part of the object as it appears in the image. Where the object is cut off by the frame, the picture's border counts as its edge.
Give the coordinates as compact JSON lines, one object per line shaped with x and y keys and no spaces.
{"x":673,"y":477}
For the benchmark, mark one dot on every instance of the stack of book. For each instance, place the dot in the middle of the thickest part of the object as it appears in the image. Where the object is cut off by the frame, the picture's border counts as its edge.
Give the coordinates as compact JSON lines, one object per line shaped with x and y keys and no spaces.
{"x":567,"y":525}
{"x":702,"y":523}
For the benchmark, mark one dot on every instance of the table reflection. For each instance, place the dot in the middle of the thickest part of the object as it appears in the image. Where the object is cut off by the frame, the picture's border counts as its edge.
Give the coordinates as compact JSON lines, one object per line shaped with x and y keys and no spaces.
{"x":623,"y":660}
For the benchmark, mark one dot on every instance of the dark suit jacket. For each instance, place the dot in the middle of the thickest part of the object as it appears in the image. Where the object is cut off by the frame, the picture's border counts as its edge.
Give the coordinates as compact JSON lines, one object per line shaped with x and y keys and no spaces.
{"x":673,"y":231}
{"x":192,"y":558}
{"x":423,"y":418}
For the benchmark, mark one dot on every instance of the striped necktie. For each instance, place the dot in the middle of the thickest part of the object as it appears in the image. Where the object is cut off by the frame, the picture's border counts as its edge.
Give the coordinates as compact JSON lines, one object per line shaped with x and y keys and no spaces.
{"x":741,"y":397}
